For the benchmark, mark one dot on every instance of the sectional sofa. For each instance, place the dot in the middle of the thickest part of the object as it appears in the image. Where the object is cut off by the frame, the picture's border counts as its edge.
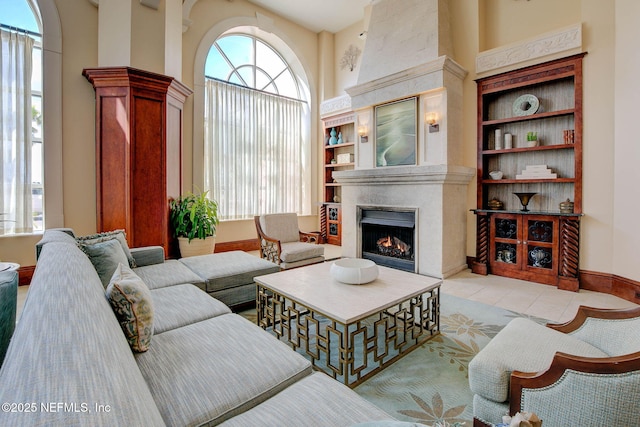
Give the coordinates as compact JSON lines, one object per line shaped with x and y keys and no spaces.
{"x":70,"y":363}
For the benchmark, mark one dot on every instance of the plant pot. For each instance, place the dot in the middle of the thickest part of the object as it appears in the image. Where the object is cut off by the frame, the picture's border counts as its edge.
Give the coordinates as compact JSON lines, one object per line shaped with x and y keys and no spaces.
{"x":196,"y":246}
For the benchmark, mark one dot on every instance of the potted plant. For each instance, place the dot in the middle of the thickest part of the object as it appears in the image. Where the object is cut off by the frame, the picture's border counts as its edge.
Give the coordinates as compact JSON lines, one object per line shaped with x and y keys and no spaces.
{"x":194,"y":218}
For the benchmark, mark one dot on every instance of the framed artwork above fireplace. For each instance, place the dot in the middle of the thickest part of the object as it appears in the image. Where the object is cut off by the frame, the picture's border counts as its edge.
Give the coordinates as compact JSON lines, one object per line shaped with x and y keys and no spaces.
{"x":396,"y":132}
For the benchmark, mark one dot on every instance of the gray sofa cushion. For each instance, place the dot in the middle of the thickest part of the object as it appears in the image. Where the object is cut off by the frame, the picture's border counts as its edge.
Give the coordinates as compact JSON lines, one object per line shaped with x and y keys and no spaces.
{"x":68,"y":347}
{"x":228,"y":269}
{"x":169,"y":273}
{"x":194,"y":305}
{"x":105,"y":257}
{"x":118,"y":235}
{"x":232,"y":297}
{"x":213,"y":370}
{"x":522,"y":345}
{"x":316,"y":400}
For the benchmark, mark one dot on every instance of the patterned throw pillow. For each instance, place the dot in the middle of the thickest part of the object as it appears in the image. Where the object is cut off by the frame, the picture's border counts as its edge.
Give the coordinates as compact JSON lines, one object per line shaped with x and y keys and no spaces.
{"x":105,"y":257}
{"x":119,"y":235}
{"x":131,"y":301}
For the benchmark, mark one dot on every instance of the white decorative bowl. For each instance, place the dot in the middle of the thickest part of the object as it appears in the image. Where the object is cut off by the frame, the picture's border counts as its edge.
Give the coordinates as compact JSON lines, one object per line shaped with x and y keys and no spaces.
{"x":495,"y":174}
{"x":354,"y":271}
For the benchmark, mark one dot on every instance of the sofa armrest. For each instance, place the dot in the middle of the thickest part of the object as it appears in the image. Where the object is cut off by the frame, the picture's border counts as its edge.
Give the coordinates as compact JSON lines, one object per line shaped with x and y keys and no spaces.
{"x":585,"y":313}
{"x":148,"y":255}
{"x":53,"y":235}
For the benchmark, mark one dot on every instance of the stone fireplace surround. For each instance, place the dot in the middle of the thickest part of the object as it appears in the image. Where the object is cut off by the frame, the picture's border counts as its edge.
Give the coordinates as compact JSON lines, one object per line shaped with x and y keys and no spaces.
{"x":438,"y":195}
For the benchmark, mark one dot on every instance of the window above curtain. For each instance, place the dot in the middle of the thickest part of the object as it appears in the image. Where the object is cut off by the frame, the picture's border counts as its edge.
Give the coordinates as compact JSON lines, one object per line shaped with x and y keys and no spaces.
{"x":257,"y":144}
{"x":248,"y":61}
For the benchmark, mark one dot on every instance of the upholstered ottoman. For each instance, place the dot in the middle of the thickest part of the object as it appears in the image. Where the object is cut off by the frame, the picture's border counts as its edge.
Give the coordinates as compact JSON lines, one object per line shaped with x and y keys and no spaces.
{"x":228,"y":276}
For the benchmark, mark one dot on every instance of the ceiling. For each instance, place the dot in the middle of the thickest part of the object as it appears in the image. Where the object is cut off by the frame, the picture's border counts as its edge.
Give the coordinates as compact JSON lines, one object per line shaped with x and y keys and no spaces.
{"x":318,"y":15}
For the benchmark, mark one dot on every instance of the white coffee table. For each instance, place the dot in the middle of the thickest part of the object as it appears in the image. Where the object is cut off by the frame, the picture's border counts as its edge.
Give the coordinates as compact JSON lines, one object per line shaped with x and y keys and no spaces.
{"x":349,"y":331}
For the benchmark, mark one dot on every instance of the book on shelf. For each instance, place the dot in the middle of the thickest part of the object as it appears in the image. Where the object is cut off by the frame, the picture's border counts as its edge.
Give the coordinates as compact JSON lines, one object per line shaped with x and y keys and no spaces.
{"x":537,"y":172}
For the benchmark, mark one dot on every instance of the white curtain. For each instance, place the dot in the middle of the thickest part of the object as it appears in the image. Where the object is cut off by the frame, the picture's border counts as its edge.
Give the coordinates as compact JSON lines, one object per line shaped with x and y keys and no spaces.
{"x":256,"y":156}
{"x":15,"y":127}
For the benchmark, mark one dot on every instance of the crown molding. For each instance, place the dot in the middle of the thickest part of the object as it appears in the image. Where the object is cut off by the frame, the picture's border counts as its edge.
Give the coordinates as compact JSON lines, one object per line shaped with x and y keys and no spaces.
{"x":559,"y":42}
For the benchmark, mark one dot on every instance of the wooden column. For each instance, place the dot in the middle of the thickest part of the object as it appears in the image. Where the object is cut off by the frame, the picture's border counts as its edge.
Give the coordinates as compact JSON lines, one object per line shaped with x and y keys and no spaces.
{"x":139,"y":119}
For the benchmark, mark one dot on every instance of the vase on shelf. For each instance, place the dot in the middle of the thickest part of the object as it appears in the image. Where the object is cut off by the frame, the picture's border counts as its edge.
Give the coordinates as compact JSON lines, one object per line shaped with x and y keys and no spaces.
{"x":524,"y":200}
{"x":332,"y":139}
{"x":340,"y":138}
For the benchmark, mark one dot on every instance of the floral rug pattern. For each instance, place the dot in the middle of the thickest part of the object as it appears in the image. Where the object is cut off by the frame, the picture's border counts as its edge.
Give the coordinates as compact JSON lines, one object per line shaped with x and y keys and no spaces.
{"x":431,"y":383}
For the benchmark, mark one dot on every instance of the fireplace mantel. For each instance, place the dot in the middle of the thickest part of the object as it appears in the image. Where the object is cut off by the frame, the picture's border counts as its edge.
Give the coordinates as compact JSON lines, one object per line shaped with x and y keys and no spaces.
{"x":436,"y":174}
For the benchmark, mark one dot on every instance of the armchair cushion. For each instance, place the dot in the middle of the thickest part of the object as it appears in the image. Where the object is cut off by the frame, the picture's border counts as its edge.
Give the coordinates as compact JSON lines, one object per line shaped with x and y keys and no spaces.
{"x":298,"y":251}
{"x":283,"y":227}
{"x":522,"y":345}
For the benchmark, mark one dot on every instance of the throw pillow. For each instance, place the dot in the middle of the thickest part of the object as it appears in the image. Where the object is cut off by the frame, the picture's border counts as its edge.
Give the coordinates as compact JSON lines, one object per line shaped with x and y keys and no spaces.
{"x":105,"y":257}
{"x":131,"y":301}
{"x":119,"y":235}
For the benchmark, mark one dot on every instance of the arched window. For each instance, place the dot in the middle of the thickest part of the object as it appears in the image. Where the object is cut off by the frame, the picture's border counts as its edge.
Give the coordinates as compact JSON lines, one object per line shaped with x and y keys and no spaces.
{"x":21,"y":119}
{"x":256,"y":152}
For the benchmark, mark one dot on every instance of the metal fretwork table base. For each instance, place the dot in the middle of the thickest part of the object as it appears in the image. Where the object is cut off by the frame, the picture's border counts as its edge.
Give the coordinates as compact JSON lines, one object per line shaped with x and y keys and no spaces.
{"x":351,"y":352}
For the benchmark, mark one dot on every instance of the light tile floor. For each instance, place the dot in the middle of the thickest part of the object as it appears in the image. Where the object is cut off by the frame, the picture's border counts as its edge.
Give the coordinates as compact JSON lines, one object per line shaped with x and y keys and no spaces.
{"x":520,"y":296}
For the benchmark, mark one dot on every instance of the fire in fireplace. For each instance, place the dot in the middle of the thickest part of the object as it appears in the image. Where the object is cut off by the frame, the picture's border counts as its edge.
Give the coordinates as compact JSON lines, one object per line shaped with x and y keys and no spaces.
{"x":388,"y":237}
{"x":393,"y":247}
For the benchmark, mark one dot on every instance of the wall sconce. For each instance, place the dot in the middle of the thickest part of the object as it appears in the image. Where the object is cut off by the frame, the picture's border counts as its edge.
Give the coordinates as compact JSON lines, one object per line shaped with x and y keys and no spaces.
{"x":362,"y":132}
{"x":432,"y":120}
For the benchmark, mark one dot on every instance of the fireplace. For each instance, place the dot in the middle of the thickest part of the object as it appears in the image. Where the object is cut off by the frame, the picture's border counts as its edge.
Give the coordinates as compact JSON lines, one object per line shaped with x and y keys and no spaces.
{"x":429,"y":197}
{"x":388,"y":237}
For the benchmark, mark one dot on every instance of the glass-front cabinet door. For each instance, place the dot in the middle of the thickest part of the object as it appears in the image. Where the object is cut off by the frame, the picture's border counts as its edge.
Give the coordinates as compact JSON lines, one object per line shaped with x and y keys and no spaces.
{"x":540,"y":235}
{"x":504,"y":253}
{"x":524,"y":242}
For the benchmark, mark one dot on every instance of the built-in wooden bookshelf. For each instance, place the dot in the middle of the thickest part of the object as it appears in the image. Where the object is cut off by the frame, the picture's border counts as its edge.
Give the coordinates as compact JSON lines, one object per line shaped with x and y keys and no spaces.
{"x":540,"y":244}
{"x":336,"y":157}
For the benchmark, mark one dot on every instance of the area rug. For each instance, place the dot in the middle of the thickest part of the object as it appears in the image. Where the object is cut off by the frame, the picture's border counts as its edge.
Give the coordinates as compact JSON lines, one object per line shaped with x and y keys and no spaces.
{"x":431,"y":383}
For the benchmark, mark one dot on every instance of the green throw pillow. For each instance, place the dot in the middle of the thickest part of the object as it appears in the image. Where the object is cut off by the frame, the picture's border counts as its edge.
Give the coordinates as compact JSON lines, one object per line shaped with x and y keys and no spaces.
{"x":105,"y":257}
{"x":118,"y":235}
{"x":131,"y":301}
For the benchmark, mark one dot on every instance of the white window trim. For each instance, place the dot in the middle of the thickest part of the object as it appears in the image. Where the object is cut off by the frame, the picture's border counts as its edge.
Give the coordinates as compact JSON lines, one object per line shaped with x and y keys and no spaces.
{"x":52,"y":113}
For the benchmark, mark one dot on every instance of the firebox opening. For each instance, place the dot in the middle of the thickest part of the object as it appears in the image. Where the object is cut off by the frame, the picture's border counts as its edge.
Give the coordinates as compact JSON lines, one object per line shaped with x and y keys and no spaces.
{"x":388,"y":238}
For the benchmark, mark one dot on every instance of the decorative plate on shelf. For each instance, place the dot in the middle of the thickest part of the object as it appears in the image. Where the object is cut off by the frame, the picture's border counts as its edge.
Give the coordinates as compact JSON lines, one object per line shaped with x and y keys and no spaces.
{"x":525,"y":105}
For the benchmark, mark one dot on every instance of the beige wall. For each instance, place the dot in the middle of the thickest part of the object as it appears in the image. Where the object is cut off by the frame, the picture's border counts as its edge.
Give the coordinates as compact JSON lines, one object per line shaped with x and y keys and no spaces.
{"x":626,"y":178}
{"x":508,"y":21}
{"x":609,"y":230}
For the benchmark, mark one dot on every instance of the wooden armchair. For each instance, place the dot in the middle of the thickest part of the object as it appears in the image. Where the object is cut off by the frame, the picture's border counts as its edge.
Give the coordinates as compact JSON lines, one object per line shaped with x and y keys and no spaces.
{"x":283,"y":243}
{"x":585,"y":372}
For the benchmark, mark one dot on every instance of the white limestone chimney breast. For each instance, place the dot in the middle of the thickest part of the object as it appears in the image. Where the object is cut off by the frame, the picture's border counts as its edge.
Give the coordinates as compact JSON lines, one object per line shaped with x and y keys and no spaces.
{"x":403,"y":34}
